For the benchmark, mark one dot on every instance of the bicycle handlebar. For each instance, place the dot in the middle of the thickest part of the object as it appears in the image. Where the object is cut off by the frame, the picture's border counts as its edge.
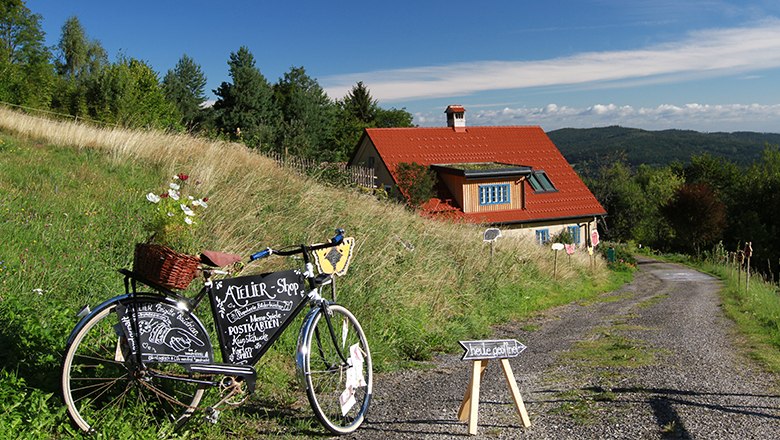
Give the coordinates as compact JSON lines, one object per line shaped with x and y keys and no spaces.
{"x":335,"y":241}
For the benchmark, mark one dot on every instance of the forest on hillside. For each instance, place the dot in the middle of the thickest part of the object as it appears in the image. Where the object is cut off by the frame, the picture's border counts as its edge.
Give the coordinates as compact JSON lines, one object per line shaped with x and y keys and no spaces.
{"x":683,"y":191}
{"x":75,"y":78}
{"x":587,"y":149}
{"x":709,"y":206}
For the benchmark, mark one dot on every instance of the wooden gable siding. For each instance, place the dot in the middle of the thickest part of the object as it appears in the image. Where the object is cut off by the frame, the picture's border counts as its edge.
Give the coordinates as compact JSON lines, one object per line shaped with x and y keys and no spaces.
{"x":466,"y":194}
{"x":366,"y":150}
{"x":471,"y":196}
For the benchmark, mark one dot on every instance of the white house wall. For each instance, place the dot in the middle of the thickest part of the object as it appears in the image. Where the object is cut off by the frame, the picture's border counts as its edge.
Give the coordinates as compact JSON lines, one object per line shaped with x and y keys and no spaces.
{"x":529,"y":232}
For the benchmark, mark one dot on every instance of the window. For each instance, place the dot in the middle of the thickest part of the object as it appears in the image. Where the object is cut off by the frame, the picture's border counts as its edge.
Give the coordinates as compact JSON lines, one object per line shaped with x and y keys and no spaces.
{"x":540,"y":182}
{"x":574,"y":231}
{"x":542,"y":236}
{"x":495,"y":194}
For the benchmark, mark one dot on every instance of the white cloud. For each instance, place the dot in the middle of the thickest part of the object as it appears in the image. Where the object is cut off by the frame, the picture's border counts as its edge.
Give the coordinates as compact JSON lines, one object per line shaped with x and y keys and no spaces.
{"x":695,"y":116}
{"x":702,"y":54}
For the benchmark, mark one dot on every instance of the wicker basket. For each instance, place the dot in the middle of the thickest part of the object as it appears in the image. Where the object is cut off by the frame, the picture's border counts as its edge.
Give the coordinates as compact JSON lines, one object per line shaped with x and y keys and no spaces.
{"x":164,"y":266}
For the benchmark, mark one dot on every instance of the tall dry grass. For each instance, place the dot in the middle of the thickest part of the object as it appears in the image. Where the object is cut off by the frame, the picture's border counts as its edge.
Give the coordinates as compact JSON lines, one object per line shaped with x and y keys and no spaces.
{"x":413,"y":281}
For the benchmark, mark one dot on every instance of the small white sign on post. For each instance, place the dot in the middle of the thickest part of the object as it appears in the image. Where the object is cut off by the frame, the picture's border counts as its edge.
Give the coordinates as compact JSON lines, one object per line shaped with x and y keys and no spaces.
{"x":490,"y":236}
{"x":556,"y":247}
{"x":480,"y":352}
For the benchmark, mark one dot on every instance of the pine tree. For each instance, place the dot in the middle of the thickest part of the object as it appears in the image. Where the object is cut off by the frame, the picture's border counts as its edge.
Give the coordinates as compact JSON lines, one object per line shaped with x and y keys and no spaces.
{"x":359,"y":104}
{"x":184,"y":86}
{"x":308,"y":115}
{"x":245,"y":109}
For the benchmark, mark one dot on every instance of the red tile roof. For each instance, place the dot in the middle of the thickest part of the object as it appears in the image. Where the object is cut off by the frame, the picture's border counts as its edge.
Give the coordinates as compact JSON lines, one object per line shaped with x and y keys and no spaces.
{"x":528,"y":146}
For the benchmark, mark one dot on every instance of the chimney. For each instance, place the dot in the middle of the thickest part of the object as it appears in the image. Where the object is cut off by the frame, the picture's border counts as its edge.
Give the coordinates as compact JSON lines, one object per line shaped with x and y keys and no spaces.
{"x":456,"y":118}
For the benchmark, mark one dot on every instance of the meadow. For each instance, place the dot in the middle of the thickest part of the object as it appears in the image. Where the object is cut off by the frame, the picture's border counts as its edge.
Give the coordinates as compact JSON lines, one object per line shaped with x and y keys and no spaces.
{"x":72,"y":200}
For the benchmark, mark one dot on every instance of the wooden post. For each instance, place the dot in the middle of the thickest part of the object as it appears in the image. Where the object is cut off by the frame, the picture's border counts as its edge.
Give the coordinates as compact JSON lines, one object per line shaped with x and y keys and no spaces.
{"x":730,"y":262}
{"x":748,"y":253}
{"x":519,"y":405}
{"x":740,"y":257}
{"x":556,"y":247}
{"x":469,"y":407}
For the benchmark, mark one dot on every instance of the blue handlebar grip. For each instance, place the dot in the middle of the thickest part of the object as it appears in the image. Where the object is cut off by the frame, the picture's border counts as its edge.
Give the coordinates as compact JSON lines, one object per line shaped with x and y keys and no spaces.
{"x":258,"y":255}
{"x":339,"y":237}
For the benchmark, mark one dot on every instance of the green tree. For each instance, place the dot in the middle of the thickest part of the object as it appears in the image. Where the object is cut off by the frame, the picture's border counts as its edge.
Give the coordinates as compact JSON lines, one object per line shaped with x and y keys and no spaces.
{"x":128,"y":93}
{"x":358,"y":111}
{"x":359,"y":104}
{"x":79,"y":57}
{"x":308,"y":116}
{"x":245,"y":109}
{"x":720,"y":174}
{"x":355,"y":113}
{"x":415,"y":182}
{"x":753,"y":210}
{"x":623,"y":198}
{"x":79,"y":63}
{"x":697,"y":216}
{"x":184,"y":86}
{"x":393,"y":118}
{"x":659,"y":186}
{"x":26,"y":76}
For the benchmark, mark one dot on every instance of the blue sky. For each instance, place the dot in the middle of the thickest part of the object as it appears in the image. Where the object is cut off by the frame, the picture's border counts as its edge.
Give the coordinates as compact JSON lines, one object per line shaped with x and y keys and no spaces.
{"x":707,"y":65}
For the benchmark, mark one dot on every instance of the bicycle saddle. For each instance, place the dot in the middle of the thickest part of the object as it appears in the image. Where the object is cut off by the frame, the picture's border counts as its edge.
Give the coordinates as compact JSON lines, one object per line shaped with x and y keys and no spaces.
{"x":219,"y":259}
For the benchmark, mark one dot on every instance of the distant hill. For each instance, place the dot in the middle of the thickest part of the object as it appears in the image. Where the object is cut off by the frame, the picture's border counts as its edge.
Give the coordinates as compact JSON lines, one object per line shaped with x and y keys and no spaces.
{"x":587,"y":148}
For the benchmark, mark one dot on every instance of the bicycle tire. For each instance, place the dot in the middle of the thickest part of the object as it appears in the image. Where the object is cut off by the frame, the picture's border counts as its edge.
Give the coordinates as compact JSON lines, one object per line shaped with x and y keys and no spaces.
{"x":326,"y":375}
{"x":103,"y":394}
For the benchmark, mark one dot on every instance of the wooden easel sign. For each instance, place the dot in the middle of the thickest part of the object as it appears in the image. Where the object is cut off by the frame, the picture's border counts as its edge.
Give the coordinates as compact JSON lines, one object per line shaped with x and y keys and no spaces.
{"x":481,"y":352}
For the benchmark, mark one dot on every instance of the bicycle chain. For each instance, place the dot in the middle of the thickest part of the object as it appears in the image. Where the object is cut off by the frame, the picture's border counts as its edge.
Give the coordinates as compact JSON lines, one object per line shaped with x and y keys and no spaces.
{"x":234,"y":390}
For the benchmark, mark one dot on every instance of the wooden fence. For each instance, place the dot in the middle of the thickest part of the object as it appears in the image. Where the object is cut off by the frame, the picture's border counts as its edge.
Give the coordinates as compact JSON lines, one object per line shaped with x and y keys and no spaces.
{"x":360,"y":176}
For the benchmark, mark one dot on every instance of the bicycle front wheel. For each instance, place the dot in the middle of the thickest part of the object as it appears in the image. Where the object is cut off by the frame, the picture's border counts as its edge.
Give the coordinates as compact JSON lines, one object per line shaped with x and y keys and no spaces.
{"x":337,"y":369}
{"x":106,"y":393}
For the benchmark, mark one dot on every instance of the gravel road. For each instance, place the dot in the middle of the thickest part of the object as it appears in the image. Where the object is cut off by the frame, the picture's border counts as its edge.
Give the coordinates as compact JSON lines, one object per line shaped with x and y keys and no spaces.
{"x":666,"y":366}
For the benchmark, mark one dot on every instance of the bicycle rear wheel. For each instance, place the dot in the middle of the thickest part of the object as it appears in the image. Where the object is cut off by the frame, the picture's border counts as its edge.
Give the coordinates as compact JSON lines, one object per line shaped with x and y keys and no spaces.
{"x":339,"y":388}
{"x":106,"y":393}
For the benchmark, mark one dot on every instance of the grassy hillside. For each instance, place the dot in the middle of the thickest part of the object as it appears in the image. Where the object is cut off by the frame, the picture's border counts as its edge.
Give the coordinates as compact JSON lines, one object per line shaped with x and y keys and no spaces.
{"x":71,"y":197}
{"x":586,"y":149}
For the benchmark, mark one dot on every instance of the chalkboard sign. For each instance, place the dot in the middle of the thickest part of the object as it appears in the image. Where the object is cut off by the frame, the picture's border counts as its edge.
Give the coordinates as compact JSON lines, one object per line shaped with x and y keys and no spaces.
{"x":165,"y":333}
{"x":252,"y":311}
{"x":491,"y":349}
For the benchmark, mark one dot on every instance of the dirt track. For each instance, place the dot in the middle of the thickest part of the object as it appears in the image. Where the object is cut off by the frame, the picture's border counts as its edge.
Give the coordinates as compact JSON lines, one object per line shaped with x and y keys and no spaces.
{"x":676,"y":374}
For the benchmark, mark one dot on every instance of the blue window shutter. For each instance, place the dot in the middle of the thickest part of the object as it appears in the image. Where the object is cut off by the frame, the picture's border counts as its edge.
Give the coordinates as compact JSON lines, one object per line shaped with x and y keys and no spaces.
{"x":574,"y":231}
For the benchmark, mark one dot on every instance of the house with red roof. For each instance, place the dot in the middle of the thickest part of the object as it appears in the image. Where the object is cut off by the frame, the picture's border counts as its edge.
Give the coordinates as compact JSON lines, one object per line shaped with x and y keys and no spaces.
{"x":510,"y":177}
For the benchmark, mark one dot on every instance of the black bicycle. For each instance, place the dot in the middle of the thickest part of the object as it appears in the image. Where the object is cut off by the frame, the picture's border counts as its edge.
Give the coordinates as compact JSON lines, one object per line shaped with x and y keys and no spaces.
{"x":146,"y":357}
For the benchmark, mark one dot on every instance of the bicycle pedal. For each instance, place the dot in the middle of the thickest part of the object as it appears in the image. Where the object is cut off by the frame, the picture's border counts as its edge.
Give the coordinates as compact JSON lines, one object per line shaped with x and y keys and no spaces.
{"x":212,"y":415}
